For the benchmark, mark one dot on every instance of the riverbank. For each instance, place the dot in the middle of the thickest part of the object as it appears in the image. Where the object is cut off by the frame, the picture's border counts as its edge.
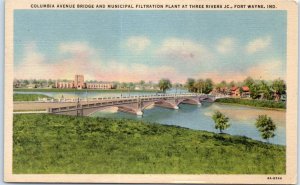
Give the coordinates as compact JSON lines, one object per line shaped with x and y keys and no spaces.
{"x":28,"y":97}
{"x":253,"y":103}
{"x":80,"y":90}
{"x":45,"y":144}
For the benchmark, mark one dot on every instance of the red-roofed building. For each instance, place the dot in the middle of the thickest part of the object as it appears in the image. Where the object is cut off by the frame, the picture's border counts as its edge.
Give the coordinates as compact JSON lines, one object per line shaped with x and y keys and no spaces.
{"x":243,"y":92}
{"x":235,"y":91}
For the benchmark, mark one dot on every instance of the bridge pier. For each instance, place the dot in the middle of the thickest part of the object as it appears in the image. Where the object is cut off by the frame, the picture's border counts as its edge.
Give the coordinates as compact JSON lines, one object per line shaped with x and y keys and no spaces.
{"x":139,"y":113}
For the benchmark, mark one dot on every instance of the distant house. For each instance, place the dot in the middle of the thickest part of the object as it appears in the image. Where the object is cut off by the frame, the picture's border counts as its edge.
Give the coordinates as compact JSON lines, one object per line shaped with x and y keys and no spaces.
{"x":245,"y":92}
{"x":240,"y":92}
{"x":235,"y":91}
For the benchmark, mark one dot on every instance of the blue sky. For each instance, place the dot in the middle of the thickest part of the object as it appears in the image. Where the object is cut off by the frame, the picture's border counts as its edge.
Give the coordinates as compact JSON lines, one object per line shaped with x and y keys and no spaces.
{"x":149,"y":45}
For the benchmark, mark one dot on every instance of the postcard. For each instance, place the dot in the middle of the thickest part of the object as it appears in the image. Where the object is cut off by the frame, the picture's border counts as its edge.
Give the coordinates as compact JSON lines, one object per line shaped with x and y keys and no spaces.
{"x":151,"y":91}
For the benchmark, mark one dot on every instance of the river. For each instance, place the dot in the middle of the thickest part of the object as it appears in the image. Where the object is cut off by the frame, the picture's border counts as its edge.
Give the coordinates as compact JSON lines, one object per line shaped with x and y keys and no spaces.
{"x":241,"y":118}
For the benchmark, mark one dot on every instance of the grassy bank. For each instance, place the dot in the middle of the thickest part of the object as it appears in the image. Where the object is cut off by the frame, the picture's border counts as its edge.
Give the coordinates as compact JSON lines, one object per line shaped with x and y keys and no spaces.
{"x":64,"y":144}
{"x":254,"y":103}
{"x":79,"y":90}
{"x":28,"y":97}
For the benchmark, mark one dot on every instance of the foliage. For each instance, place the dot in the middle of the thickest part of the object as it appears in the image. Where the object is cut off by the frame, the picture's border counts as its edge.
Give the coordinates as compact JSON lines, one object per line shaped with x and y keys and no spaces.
{"x":28,"y":97}
{"x":265,"y":90}
{"x":231,"y":84}
{"x":208,"y":86}
{"x":254,"y":91}
{"x":190,"y":84}
{"x":279,"y":87}
{"x":164,"y":84}
{"x":249,"y":82}
{"x":221,"y":121}
{"x":255,"y":103}
{"x":200,"y":86}
{"x":266,"y":126}
{"x":58,"y":144}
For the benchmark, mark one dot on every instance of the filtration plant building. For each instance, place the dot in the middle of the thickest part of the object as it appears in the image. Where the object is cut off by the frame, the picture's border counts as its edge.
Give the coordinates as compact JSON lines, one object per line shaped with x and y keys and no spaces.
{"x":79,"y":83}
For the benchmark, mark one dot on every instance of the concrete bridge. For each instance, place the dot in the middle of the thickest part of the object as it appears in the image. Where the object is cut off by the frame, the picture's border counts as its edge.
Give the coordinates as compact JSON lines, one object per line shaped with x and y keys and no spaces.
{"x":133,"y":104}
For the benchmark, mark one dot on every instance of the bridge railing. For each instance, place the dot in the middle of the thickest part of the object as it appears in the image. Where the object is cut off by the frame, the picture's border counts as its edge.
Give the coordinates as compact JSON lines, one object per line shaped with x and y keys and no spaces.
{"x":49,"y":100}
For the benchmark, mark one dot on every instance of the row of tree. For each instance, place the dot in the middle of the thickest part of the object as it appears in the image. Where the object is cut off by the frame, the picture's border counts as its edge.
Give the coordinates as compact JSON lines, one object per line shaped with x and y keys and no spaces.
{"x":264,"y":124}
{"x":200,"y":85}
{"x":263,"y":90}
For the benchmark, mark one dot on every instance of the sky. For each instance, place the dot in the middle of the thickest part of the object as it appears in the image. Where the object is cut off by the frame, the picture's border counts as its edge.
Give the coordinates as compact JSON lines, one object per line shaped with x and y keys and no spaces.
{"x":129,"y":46}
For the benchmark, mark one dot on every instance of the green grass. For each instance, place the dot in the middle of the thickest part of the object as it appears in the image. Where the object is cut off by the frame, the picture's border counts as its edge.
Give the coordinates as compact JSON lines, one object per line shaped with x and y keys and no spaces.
{"x":79,"y":90}
{"x":254,"y":103}
{"x":56,"y":144}
{"x":28,"y":97}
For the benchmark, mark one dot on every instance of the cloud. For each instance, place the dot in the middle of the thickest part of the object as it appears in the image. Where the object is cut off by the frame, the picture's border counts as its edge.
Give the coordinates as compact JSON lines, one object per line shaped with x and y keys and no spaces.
{"x":182,"y":50}
{"x":33,"y":64}
{"x":135,"y":72}
{"x":258,"y":44}
{"x":226,"y":45}
{"x":85,"y":60}
{"x":137,"y":44}
{"x":266,"y":70}
{"x":82,"y":59}
{"x":77,"y":48}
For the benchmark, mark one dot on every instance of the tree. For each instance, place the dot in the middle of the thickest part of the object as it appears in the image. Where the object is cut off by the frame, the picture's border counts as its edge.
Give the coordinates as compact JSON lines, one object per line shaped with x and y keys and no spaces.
{"x":190,"y":84}
{"x":208,"y":86}
{"x":231,"y":84}
{"x":265,"y":126}
{"x":26,"y":82}
{"x":221,"y":121}
{"x":130,"y":85}
{"x":254,"y":91}
{"x":249,"y":82}
{"x":265,"y":90}
{"x":142,"y":84}
{"x":199,"y":85}
{"x":221,"y":87}
{"x":164,"y":84}
{"x":279,"y":87}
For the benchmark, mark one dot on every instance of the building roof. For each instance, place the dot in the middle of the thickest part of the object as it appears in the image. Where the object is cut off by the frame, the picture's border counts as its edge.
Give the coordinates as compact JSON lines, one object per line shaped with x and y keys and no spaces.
{"x":234,"y":88}
{"x":245,"y":88}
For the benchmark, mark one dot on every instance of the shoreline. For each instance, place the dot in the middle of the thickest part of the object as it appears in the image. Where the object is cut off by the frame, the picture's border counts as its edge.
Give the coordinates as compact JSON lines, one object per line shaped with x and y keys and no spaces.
{"x":243,"y":105}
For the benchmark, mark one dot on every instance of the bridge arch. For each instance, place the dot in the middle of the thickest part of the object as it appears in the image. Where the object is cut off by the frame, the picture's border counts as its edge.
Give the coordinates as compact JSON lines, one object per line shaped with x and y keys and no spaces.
{"x":164,"y":103}
{"x":207,"y":99}
{"x":120,"y":108}
{"x":189,"y":101}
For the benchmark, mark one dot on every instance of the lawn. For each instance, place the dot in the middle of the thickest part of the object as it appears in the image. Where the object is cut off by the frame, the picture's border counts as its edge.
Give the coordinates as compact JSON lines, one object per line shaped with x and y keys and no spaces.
{"x":28,"y":97}
{"x":56,"y":144}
